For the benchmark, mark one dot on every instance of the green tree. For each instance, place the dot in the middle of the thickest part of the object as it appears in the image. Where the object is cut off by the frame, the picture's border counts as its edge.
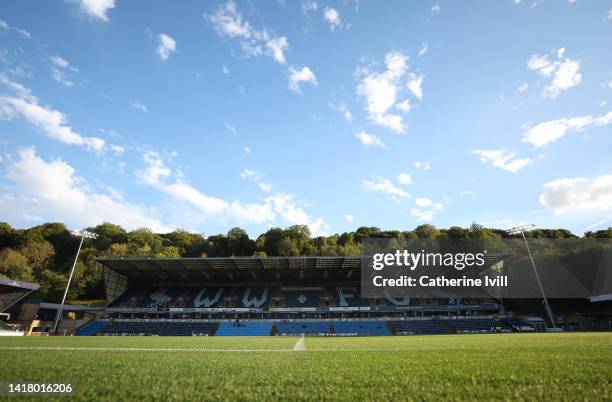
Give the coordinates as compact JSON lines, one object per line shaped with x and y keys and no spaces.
{"x":426,"y":231}
{"x":14,"y":265}
{"x":239,"y":243}
{"x":144,"y":243}
{"x":109,"y":234}
{"x":288,"y":248}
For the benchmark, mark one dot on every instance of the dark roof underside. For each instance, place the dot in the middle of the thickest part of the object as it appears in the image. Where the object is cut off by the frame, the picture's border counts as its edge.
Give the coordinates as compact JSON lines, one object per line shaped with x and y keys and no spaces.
{"x":242,"y":269}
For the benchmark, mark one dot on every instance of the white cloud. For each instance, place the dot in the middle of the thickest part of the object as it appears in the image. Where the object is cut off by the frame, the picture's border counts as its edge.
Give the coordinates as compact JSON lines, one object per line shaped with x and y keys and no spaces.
{"x":422,"y":165}
{"x":404,"y":178}
{"x":426,"y":215}
{"x":60,"y":76}
{"x":228,"y":22}
{"x":117,"y":149}
{"x":503,"y":159}
{"x":167,"y":46}
{"x":309,"y":6}
{"x":59,"y":61}
{"x":578,"y":194}
{"x":266,"y":188}
{"x":522,"y":88}
{"x":231,"y":128}
{"x":52,"y":191}
{"x":370,"y":140}
{"x":247,"y":150}
{"x":226,"y":70}
{"x":158,"y":175}
{"x":277,"y":47}
{"x":550,"y":131}
{"x":610,"y":14}
{"x":415,"y":85}
{"x":19,"y":90}
{"x":435,"y":8}
{"x":332,"y":17}
{"x":563,"y":72}
{"x":300,"y":75}
{"x":140,"y":106}
{"x":348,"y":116}
{"x":386,"y":187}
{"x":255,"y":176}
{"x":349,"y":217}
{"x":251,"y":174}
{"x":22,"y":32}
{"x":422,"y":202}
{"x":380,"y":90}
{"x":97,"y":8}
{"x":291,"y":212}
{"x":60,"y":69}
{"x":50,"y":121}
{"x":404,"y":106}
{"x":424,"y":49}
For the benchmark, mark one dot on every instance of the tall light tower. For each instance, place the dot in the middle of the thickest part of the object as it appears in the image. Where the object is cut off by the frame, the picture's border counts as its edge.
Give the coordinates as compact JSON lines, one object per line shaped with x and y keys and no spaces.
{"x":82,"y":234}
{"x":522,"y":230}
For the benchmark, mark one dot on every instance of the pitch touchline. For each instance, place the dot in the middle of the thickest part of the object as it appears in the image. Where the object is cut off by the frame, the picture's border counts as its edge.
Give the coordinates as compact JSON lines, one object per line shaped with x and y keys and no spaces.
{"x":299,"y":346}
{"x":296,"y":348}
{"x":140,"y":349}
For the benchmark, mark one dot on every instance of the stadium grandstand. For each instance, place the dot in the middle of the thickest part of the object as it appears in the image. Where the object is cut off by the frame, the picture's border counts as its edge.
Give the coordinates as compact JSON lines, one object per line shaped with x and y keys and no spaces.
{"x":11,"y":292}
{"x":274,"y":296}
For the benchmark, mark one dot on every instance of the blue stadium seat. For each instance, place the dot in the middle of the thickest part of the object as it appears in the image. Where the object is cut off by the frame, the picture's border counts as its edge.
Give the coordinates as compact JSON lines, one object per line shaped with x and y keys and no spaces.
{"x":476,"y":325}
{"x":91,"y":328}
{"x":160,"y":328}
{"x":245,"y":328}
{"x":417,"y":327}
{"x":361,"y":328}
{"x":302,"y":328}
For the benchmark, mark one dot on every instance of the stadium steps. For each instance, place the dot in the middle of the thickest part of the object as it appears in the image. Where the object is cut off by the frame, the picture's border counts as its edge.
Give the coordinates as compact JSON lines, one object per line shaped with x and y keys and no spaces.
{"x":244,"y":329}
{"x":91,"y":328}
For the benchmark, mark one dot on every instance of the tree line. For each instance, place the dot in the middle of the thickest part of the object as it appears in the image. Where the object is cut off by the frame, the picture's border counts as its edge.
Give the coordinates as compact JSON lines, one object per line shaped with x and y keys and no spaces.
{"x":44,"y":254}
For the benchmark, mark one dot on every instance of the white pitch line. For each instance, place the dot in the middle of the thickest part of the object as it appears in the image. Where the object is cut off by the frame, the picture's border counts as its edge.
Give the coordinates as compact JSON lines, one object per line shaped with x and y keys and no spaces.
{"x":295,"y":348}
{"x":299,"y":346}
{"x":139,"y":349}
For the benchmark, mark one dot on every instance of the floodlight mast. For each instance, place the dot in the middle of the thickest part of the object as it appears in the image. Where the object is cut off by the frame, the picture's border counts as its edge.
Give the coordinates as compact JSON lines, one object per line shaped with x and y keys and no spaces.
{"x":83,"y":234}
{"x":522,"y":230}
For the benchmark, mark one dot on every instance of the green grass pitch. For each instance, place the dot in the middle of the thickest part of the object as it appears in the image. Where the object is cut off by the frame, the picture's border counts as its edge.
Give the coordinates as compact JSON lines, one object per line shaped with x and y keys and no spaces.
{"x":571,"y":366}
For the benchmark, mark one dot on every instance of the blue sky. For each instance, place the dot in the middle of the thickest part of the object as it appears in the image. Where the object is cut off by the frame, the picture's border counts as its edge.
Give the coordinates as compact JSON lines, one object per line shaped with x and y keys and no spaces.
{"x":210,"y":115}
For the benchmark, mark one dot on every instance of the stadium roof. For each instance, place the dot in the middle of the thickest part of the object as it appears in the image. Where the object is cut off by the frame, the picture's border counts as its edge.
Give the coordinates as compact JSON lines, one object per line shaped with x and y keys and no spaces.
{"x":236,"y":269}
{"x":11,"y":291}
